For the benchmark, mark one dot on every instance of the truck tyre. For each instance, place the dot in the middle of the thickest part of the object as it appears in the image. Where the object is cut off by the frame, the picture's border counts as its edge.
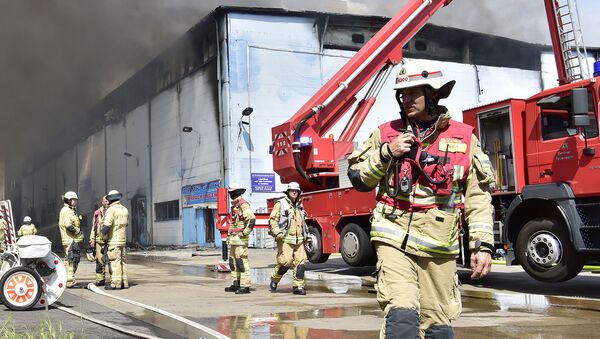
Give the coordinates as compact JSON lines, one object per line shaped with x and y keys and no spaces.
{"x":314,"y":249}
{"x":21,"y":288}
{"x":545,"y":251}
{"x":356,"y":246}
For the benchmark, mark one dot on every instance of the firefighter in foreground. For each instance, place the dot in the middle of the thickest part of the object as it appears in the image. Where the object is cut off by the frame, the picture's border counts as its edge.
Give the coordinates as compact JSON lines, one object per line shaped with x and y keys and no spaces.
{"x":71,"y":235}
{"x":288,"y":225}
{"x":241,"y":223}
{"x":423,"y":168}
{"x":27,"y":228}
{"x":114,"y":233}
{"x":96,"y":243}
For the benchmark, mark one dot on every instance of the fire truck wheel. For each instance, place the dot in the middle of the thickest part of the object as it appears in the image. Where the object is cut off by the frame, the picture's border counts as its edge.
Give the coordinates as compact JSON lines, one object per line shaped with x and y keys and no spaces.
{"x":545,"y":251}
{"x":356,"y":246}
{"x":314,"y":249}
{"x":21,"y":288}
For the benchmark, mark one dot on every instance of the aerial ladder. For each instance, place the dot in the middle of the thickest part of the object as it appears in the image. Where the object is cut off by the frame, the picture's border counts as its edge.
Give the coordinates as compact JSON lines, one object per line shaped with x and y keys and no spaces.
{"x":565,"y":32}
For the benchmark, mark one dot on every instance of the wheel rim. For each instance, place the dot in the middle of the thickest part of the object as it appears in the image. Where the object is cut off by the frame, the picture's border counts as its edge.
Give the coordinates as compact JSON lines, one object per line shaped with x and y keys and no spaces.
{"x":310,"y":246}
{"x":20,"y":289}
{"x":544,"y":249}
{"x":350,"y":244}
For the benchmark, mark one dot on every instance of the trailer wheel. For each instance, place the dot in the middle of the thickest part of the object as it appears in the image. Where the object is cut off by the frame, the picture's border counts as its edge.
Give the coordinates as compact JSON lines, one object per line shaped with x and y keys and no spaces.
{"x":21,"y":288}
{"x":314,"y":249}
{"x":545,"y":251}
{"x":356,"y":246}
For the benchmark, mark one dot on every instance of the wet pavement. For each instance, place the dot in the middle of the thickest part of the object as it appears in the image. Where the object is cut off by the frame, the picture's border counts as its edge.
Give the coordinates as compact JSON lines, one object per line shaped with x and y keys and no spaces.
{"x":339,"y":304}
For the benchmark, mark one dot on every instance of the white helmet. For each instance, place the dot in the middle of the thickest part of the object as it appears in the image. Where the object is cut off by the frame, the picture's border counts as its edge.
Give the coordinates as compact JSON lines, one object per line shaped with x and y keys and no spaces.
{"x":70,"y":195}
{"x":113,"y":195}
{"x":293,"y":186}
{"x":27,"y":219}
{"x":423,"y":73}
{"x":234,"y":187}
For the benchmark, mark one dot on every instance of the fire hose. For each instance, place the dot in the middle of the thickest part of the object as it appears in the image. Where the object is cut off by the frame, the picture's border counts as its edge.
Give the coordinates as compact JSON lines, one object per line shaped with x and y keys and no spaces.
{"x":193,"y":324}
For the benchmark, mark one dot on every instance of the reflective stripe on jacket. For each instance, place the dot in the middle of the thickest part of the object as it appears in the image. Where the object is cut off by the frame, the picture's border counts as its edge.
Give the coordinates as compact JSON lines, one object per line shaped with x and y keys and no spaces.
{"x":289,"y":219}
{"x":239,"y":222}
{"x":68,"y":218}
{"x":117,"y":218}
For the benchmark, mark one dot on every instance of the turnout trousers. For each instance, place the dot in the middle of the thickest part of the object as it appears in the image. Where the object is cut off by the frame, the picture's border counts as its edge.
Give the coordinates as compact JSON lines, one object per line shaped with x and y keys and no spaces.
{"x":118,"y":262}
{"x":424,"y":286}
{"x":239,"y":264}
{"x":290,"y":256}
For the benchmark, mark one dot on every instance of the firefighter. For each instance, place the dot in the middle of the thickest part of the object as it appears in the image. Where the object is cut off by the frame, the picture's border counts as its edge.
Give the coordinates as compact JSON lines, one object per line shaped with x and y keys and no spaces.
{"x":3,"y":232}
{"x":71,"y":235}
{"x":288,"y":225}
{"x":96,"y":244}
{"x":241,"y":223}
{"x":27,"y":228}
{"x":114,"y":233}
{"x":424,"y":163}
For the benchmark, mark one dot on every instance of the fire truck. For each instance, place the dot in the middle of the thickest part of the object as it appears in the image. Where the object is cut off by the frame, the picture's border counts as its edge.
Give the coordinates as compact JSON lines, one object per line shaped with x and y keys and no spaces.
{"x":542,"y":147}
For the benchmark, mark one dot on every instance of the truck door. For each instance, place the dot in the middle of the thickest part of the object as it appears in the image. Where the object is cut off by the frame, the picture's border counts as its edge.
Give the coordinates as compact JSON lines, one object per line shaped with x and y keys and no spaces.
{"x":561,"y":155}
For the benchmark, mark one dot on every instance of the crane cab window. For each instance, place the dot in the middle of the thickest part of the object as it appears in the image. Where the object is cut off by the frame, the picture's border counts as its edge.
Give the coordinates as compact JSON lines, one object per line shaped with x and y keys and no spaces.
{"x":555,"y":118}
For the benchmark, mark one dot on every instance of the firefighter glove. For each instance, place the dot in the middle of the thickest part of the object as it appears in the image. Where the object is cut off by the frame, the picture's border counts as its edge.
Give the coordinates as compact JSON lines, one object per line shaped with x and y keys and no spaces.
{"x":105,"y":229}
{"x":72,"y":229}
{"x":279,"y":236}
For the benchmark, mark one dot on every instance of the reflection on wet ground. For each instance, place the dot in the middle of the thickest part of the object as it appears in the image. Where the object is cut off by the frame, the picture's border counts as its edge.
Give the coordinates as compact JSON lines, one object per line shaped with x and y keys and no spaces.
{"x":318,"y":323}
{"x":485,"y":314}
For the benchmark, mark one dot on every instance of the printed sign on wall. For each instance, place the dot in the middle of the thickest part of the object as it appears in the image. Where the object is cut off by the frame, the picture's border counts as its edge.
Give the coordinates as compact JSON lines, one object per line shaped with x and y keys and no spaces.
{"x":200,"y":194}
{"x":263,"y":182}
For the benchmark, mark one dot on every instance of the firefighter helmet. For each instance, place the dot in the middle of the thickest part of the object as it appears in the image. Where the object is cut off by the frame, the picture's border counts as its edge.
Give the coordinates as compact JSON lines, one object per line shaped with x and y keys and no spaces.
{"x":27,"y":220}
{"x":113,"y":195}
{"x":293,"y":186}
{"x":423,"y":73}
{"x":70,"y":195}
{"x":236,"y":187}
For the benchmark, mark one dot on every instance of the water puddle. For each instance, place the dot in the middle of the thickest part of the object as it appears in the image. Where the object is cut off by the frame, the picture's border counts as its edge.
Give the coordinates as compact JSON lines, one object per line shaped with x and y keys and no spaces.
{"x":485,"y":314}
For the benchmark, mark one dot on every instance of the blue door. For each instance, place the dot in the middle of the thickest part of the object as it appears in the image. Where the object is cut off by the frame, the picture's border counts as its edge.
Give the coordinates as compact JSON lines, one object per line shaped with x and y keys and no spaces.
{"x":200,"y":228}
{"x":189,"y":226}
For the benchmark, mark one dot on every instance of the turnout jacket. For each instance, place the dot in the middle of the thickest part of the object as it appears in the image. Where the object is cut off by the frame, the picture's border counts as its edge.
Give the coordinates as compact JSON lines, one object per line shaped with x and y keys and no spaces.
{"x":288,"y":218}
{"x":241,"y":222}
{"x":425,"y":220}
{"x":67,"y":218}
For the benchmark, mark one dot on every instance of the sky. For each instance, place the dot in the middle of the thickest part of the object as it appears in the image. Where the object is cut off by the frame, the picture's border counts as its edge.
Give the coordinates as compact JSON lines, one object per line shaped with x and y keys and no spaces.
{"x":60,"y":57}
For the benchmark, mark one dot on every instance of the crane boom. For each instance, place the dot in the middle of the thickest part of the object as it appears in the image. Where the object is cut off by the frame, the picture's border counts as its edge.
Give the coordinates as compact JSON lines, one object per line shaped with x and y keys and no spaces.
{"x":300,"y":153}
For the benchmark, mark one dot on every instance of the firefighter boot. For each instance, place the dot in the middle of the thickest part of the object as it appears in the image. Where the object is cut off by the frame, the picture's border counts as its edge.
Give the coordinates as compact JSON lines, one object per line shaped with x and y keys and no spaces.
{"x":99,"y":283}
{"x":243,"y":290}
{"x":273,"y":285}
{"x":299,"y":290}
{"x":234,"y":286}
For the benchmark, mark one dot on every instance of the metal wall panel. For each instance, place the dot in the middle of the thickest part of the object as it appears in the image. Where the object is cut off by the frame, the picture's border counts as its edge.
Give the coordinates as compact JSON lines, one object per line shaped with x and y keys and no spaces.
{"x":201,"y":148}
{"x":97,"y":169}
{"x":166,"y":162}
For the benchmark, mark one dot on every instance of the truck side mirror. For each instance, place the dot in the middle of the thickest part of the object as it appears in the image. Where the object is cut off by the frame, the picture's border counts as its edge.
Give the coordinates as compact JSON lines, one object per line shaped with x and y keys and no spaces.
{"x":579,"y":108}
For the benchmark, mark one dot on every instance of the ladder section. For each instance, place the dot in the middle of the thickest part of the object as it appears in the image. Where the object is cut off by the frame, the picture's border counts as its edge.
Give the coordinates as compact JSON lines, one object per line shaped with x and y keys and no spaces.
{"x":572,"y":48}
